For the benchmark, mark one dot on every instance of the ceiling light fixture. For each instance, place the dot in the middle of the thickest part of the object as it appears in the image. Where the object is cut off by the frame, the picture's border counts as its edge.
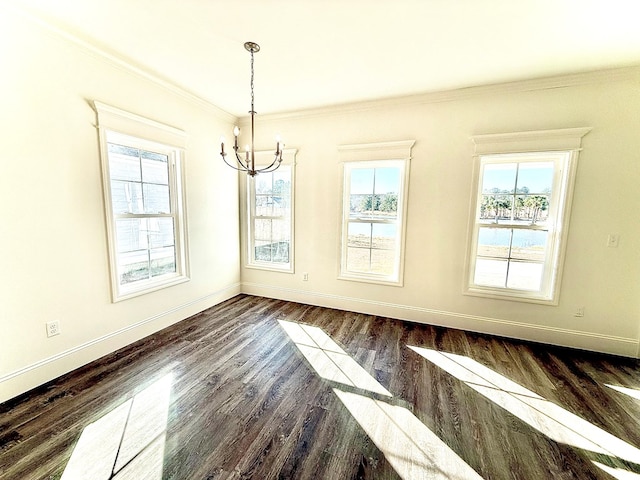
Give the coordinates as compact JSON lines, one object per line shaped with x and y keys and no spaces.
{"x":248,"y":164}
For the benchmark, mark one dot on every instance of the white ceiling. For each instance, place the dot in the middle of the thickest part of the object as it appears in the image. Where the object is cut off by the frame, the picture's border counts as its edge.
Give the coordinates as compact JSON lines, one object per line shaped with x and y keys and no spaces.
{"x":316,"y":53}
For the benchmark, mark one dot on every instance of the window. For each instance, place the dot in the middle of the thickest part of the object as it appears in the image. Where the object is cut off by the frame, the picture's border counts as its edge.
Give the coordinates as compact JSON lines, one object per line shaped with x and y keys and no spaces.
{"x":270,"y":215}
{"x":374,"y":212}
{"x":143,"y":189}
{"x":521,"y":214}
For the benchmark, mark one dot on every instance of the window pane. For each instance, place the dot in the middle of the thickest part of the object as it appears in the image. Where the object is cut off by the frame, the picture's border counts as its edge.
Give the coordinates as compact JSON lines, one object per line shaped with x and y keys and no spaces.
{"x":131,"y":234}
{"x":155,"y":168}
{"x":535,"y":177}
{"x":263,"y":183}
{"x":163,"y":261}
{"x":384,"y":236}
{"x":496,"y":208}
{"x":280,"y":230}
{"x":282,"y":184}
{"x":535,"y":209}
{"x":133,"y":266}
{"x":525,"y":276}
{"x":361,"y":205}
{"x":491,"y":273}
{"x":529,"y":245}
{"x":358,"y":259}
{"x":387,"y":180}
{"x":156,"y":198}
{"x":388,"y":205}
{"x":262,"y":229}
{"x":361,"y":181}
{"x":264,"y":205}
{"x":359,"y":235}
{"x":383,"y":261}
{"x":499,"y":177}
{"x":280,"y":252}
{"x":124,"y":163}
{"x":263,"y":251}
{"x":494,"y":242}
{"x":374,"y":192}
{"x":281,"y":205}
{"x":126,"y":197}
{"x":161,"y":232}
{"x":275,"y":252}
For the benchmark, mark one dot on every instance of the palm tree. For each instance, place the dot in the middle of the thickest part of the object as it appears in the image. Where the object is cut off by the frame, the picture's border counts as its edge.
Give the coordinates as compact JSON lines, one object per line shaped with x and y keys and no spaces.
{"x":537,"y":204}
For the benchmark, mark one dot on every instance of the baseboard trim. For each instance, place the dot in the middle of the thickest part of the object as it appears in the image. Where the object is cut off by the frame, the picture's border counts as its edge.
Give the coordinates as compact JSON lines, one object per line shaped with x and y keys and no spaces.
{"x":627,"y":347}
{"x":84,"y":350}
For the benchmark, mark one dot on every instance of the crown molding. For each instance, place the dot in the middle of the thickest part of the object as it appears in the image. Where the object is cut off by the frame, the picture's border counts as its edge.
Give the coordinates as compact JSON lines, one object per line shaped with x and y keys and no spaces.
{"x":119,"y":61}
{"x":531,"y":141}
{"x":376,"y":151}
{"x":630,"y":72}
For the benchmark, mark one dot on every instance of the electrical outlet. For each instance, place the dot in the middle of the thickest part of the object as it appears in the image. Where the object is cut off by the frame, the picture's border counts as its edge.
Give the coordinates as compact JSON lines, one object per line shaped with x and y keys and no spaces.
{"x":579,"y":312}
{"x":613,"y":240}
{"x":53,"y":328}
{"x":305,"y":277}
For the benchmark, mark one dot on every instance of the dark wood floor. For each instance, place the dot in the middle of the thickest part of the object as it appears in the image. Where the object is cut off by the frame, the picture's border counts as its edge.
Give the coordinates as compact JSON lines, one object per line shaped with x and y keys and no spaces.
{"x":252,"y":389}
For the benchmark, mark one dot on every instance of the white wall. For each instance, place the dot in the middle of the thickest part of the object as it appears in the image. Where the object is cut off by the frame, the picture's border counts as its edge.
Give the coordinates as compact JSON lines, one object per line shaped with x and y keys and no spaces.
{"x":606,"y":281}
{"x":53,"y":240}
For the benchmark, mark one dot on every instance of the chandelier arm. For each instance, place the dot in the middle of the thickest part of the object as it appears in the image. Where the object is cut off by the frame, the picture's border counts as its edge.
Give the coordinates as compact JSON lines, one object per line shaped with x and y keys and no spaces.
{"x":267,"y":170}
{"x":243,"y":165}
{"x":277,"y":159}
{"x":242,"y":168}
{"x":234,"y":167}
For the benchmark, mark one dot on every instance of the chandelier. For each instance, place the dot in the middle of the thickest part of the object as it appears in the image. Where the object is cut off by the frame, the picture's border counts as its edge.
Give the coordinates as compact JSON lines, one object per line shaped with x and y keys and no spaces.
{"x":248,"y":163}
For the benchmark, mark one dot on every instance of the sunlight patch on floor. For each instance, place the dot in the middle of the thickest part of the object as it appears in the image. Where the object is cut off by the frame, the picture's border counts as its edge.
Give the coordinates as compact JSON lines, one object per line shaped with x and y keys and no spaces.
{"x":632,"y":392}
{"x":329,"y":360}
{"x":546,"y":417}
{"x":618,"y":473}
{"x":126,"y":443}
{"x":413,"y":450}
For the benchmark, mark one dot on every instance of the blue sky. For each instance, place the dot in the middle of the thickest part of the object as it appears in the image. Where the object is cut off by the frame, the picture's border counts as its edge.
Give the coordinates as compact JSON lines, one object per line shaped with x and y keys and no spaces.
{"x":538,"y":177}
{"x":386,"y":180}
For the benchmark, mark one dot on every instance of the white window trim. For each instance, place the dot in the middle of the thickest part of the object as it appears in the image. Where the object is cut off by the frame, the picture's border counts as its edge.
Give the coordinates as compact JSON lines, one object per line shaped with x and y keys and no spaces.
{"x":263,"y":159}
{"x":565,"y":143}
{"x":375,"y":153}
{"x":119,"y":125}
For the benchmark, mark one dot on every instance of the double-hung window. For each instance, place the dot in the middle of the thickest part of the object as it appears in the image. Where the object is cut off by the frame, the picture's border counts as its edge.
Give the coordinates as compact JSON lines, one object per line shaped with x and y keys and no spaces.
{"x":143,"y":190}
{"x":270,"y":215}
{"x":521,"y":213}
{"x":374,"y":211}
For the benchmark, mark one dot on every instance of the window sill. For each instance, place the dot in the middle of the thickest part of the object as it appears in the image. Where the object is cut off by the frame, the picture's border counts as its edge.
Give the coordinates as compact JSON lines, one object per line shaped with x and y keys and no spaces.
{"x":148,"y":287}
{"x":287,"y":268}
{"x":513,"y":295}
{"x":371,"y":279}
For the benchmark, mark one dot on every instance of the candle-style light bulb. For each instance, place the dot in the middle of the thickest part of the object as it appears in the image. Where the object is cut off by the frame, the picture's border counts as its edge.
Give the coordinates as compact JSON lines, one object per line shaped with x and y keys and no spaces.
{"x":236,"y":132}
{"x":246,"y":149}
